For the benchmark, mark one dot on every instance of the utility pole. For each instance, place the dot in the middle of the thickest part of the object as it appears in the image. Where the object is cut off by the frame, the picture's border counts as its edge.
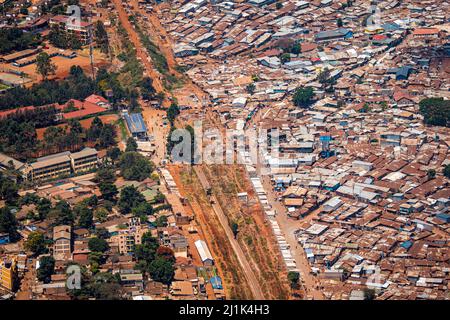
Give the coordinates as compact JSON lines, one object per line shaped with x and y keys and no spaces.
{"x":91,"y":54}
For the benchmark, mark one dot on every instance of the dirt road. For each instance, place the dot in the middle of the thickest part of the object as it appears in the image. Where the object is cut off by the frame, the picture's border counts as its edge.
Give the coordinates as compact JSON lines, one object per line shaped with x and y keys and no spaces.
{"x":140,"y":49}
{"x":249,"y":274}
{"x":162,"y":40}
{"x":154,"y":119}
{"x":288,"y":226}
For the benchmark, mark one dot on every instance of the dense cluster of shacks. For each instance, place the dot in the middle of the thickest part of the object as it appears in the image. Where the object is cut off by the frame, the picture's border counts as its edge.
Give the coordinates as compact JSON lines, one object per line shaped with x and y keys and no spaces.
{"x":359,"y":162}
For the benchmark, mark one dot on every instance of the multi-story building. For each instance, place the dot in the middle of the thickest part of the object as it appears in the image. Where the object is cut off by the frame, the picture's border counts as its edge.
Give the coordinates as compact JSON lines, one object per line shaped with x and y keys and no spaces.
{"x":48,"y":167}
{"x":81,"y":29}
{"x":84,"y":160}
{"x":8,"y":274}
{"x":61,"y":164}
{"x":129,"y":237}
{"x":62,"y":237}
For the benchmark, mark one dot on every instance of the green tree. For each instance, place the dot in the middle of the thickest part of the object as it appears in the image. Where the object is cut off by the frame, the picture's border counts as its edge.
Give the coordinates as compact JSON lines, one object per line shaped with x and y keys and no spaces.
{"x":75,"y":127}
{"x":114,"y":154}
{"x":161,"y":270}
{"x":369,"y":294}
{"x":172,"y":112}
{"x":339,"y":23}
{"x":431,"y":173}
{"x":108,"y":191}
{"x":446,"y":171}
{"x":303,"y":97}
{"x":250,"y":88}
{"x":8,"y":190}
{"x":62,"y":213}
{"x":285,"y":57}
{"x":160,"y":197}
{"x":98,"y":245}
{"x":130,"y":198}
{"x":142,"y":210}
{"x":36,"y":243}
{"x":147,"y":89}
{"x":324,"y":76}
{"x":86,"y":217}
{"x":161,"y":221}
{"x":102,"y":233}
{"x":235,"y":229}
{"x":435,"y":111}
{"x":296,"y":48}
{"x":105,"y":175}
{"x":134,"y":166}
{"x":43,"y":207}
{"x":293,"y":278}
{"x":8,"y":223}
{"x":101,"y":36}
{"x":131,"y":145}
{"x":101,"y":214}
{"x":46,"y":269}
{"x":145,"y":252}
{"x":44,"y":65}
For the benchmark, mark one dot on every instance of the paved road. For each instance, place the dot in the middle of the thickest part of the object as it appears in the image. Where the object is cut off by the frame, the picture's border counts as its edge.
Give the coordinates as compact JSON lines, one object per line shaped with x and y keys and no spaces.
{"x":248,"y":271}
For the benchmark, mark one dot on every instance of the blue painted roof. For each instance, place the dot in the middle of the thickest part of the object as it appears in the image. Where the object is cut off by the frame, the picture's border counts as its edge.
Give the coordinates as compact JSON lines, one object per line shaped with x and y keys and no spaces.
{"x":406,"y":244}
{"x":340,"y":32}
{"x":443,"y":216}
{"x":135,"y":123}
{"x":390,"y":26}
{"x":216,"y":282}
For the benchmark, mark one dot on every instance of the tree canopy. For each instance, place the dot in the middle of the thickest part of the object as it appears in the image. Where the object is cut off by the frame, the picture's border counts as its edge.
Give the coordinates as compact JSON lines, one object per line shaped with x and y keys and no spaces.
{"x":98,"y":245}
{"x":46,"y":269}
{"x":36,"y":243}
{"x":8,"y":223}
{"x":435,"y":111}
{"x":303,"y":97}
{"x":130,"y":198}
{"x":44,"y":65}
{"x":134,"y":166}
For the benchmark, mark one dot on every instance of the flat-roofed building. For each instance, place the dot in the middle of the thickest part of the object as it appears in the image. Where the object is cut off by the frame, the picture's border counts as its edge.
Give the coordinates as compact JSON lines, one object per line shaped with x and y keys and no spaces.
{"x":84,"y":160}
{"x":61,"y":164}
{"x":127,"y":238}
{"x":48,"y":168}
{"x":62,"y":237}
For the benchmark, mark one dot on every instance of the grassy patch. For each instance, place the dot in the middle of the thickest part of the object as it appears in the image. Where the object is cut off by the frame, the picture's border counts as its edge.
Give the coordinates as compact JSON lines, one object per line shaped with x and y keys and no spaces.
{"x":123,"y":129}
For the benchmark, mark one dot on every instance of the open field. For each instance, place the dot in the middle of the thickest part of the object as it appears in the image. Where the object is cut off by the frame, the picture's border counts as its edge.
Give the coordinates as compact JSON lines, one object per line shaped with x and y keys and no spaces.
{"x":63,"y":65}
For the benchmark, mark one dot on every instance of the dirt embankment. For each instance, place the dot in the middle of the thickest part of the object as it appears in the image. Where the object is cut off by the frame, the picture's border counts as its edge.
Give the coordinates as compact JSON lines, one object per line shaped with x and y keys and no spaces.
{"x":255,"y":236}
{"x":235,"y":283}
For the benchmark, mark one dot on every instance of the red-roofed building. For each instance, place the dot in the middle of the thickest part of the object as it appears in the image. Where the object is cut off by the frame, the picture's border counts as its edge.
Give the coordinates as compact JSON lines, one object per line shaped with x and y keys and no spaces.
{"x":379,"y":37}
{"x":426,"y":33}
{"x":98,"y":100}
{"x":6,"y":113}
{"x":403,"y":98}
{"x":84,"y":109}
